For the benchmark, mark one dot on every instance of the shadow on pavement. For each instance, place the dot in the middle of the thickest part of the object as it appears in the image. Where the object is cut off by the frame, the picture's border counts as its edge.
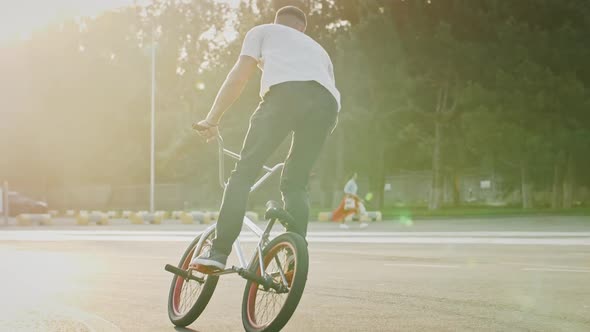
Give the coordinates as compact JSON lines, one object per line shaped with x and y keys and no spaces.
{"x":185,"y":329}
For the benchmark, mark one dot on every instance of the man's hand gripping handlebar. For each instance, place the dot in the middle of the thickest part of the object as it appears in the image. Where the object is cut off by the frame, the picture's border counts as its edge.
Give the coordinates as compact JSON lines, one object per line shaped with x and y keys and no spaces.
{"x":207,"y":130}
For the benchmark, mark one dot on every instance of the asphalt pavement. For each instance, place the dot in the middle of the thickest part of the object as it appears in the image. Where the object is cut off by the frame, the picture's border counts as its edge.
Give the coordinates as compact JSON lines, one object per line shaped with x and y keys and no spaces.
{"x":510,"y":274}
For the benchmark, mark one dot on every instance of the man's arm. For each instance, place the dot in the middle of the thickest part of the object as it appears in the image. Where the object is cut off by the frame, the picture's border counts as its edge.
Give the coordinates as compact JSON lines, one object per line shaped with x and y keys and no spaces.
{"x":230,"y":90}
{"x":232,"y":87}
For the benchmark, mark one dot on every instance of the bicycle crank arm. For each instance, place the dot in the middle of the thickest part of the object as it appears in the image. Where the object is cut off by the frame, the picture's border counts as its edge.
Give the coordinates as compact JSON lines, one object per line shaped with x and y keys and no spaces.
{"x":262,"y":281}
{"x":182,"y":273}
{"x":233,"y":269}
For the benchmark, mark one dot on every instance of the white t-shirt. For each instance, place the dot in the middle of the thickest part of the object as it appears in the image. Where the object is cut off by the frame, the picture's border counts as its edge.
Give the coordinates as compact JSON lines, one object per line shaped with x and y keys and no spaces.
{"x":285,"y":54}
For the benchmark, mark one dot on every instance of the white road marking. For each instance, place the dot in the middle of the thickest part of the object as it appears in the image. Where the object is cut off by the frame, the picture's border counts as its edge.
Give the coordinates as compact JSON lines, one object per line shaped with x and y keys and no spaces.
{"x":542,"y":269}
{"x":443,"y":266}
{"x":323,"y":233}
{"x":459,"y":234}
{"x":319,"y":237}
{"x":533,"y":265}
{"x":454,"y":240}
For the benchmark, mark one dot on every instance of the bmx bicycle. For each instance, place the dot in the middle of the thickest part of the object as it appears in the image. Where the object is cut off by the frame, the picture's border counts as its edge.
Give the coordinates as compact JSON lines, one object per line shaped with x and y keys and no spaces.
{"x":275,"y":274}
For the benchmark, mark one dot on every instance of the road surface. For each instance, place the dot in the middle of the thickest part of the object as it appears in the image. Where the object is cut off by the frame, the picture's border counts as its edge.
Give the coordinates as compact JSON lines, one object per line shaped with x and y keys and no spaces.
{"x":513,"y":274}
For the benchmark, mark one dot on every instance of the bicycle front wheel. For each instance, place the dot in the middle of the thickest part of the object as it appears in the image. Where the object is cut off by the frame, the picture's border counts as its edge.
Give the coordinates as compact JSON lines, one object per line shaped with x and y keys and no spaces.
{"x":188,"y":298}
{"x":286,"y":261}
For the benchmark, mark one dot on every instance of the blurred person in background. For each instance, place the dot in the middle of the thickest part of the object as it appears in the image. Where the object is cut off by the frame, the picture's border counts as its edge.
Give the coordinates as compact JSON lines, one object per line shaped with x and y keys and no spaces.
{"x":351,"y":204}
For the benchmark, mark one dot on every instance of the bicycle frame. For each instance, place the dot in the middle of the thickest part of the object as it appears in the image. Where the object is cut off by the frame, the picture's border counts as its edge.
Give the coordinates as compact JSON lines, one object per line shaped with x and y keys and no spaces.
{"x":262,"y":234}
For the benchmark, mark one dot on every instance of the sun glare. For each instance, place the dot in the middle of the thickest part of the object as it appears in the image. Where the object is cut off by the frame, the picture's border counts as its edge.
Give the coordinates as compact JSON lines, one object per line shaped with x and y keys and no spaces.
{"x":20,"y":18}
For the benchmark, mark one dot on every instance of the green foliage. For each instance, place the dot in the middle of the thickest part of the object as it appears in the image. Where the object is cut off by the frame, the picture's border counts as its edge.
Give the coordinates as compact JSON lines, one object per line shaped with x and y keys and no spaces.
{"x":506,"y":81}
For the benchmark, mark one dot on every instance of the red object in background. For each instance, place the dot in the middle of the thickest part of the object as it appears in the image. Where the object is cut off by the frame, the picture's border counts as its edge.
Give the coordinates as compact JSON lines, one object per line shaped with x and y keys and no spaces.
{"x":19,"y":203}
{"x":340,"y":213}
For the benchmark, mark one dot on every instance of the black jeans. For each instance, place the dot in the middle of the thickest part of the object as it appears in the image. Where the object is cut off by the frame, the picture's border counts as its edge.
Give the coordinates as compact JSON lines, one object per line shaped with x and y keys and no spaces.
{"x":309,"y":112}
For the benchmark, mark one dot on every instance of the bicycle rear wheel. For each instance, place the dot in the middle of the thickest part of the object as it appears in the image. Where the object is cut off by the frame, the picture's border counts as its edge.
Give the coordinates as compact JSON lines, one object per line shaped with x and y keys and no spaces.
{"x":286,"y":261}
{"x":188,"y":298}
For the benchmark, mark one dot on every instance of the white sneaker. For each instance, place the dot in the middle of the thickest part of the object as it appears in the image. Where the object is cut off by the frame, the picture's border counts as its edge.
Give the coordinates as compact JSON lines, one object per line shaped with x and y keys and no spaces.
{"x":209,"y":261}
{"x":364,"y":225}
{"x":344,"y":226}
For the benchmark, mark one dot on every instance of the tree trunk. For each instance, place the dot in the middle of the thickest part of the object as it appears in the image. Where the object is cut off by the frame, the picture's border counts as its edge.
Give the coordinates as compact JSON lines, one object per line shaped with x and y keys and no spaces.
{"x":377,"y":178}
{"x":568,"y":182}
{"x":494,"y":187}
{"x":557,"y":193}
{"x":447,"y":189}
{"x":456,"y":189}
{"x":436,"y":187}
{"x":436,"y":190}
{"x":332,"y":169}
{"x":340,"y":169}
{"x":526,"y":192}
{"x":380,"y":189}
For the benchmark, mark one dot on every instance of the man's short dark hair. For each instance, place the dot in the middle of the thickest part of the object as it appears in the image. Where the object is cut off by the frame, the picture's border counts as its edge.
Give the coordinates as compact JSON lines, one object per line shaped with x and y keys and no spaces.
{"x":293,"y":11}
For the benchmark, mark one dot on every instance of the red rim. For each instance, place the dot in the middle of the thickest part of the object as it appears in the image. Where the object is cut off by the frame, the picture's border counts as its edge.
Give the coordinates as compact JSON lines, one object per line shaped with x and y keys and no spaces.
{"x":179,"y":286}
{"x":253,"y":291}
{"x":179,"y":283}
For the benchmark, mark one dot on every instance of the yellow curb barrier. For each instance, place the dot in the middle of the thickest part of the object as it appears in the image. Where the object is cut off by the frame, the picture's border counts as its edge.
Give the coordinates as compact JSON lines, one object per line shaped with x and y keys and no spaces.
{"x":325,"y":216}
{"x":138,"y":217}
{"x":364,"y":218}
{"x":26,"y":219}
{"x":99,"y":217}
{"x":143,"y":217}
{"x":214,"y":215}
{"x":158,"y":217}
{"x":208,"y":218}
{"x":196,"y":216}
{"x":164,"y":214}
{"x":23,"y":220}
{"x":186,"y":218}
{"x":375,"y":215}
{"x":177,"y":214}
{"x":84,"y":218}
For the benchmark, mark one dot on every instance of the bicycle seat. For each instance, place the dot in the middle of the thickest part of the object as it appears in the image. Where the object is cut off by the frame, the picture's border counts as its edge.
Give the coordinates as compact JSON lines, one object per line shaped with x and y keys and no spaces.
{"x":275,"y":211}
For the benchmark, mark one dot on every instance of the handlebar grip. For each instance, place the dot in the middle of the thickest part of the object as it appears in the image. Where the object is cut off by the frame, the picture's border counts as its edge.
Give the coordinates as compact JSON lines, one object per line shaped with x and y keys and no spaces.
{"x":199,"y":127}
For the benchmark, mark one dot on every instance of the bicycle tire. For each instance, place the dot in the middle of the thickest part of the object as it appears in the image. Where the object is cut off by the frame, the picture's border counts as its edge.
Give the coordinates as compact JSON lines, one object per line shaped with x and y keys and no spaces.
{"x":290,"y":241}
{"x":206,"y":291}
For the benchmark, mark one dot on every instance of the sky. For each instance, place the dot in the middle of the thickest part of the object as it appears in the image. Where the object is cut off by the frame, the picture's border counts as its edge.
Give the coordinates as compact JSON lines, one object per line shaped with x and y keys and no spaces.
{"x":18,"y":18}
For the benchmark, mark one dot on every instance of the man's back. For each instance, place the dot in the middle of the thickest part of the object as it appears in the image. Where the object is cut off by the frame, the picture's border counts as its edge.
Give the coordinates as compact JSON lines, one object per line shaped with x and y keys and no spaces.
{"x":285,"y":54}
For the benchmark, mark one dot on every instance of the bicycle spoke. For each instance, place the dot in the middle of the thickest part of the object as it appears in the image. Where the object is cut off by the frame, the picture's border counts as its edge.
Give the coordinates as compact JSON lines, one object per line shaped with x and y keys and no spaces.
{"x":191,"y":289}
{"x":269,"y":303}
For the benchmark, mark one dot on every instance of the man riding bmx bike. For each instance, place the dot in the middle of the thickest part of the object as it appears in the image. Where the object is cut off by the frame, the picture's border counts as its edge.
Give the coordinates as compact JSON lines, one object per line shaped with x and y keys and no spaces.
{"x":299,"y":97}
